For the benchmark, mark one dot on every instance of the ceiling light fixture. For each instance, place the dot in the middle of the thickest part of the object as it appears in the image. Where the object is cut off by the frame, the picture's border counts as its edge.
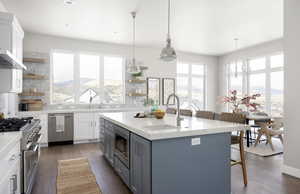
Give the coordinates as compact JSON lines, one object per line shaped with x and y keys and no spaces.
{"x":168,"y":53}
{"x":69,"y":2}
{"x":133,"y":67}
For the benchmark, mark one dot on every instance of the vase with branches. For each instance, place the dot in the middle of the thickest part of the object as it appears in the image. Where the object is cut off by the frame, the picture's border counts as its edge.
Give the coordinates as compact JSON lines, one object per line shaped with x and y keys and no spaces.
{"x":237,"y":103}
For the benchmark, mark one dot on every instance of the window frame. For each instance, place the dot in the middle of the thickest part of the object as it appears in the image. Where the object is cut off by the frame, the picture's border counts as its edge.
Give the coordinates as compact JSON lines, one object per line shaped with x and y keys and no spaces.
{"x":190,"y":76}
{"x":76,"y":75}
{"x":247,"y":72}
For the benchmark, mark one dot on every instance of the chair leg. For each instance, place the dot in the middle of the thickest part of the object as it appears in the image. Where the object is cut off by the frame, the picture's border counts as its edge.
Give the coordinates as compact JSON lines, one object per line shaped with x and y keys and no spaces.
{"x":270,"y":141}
{"x":258,"y":139}
{"x":281,"y":138}
{"x":243,"y":161}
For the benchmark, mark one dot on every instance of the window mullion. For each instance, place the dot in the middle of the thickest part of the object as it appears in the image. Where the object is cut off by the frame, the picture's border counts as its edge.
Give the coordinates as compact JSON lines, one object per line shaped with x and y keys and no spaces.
{"x":190,"y":86}
{"x":268,"y":85}
{"x":76,"y":78}
{"x":101,"y":79}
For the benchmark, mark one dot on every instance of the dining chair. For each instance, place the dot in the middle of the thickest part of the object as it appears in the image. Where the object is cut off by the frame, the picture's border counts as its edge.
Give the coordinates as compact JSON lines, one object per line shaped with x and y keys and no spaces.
{"x":205,"y":115}
{"x":186,"y":112}
{"x":171,"y":111}
{"x":237,"y":139}
{"x":256,"y":125}
{"x":270,"y":130}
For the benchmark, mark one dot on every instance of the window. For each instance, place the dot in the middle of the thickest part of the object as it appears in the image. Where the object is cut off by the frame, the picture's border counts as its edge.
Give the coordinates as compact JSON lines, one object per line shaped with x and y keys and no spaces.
{"x":63,"y":81}
{"x":113,"y":80}
{"x":89,"y":78}
{"x":191,"y":85}
{"x":84,"y":78}
{"x":262,"y":75}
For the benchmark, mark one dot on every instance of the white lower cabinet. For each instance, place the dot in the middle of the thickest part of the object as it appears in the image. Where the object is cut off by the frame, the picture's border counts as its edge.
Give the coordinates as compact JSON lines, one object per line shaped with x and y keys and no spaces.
{"x":10,"y":179}
{"x":86,"y":126}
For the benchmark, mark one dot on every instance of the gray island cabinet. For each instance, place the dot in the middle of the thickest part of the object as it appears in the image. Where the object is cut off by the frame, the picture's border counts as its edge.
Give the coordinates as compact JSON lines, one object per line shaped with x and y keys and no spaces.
{"x":169,"y":161}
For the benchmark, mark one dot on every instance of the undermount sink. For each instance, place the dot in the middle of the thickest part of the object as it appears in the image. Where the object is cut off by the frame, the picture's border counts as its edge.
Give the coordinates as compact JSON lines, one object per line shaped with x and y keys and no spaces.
{"x":160,"y":127}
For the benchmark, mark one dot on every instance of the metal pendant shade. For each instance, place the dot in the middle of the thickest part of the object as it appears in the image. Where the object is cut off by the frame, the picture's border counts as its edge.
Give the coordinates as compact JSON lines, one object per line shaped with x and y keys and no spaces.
{"x":133,"y":67}
{"x":168,"y":53}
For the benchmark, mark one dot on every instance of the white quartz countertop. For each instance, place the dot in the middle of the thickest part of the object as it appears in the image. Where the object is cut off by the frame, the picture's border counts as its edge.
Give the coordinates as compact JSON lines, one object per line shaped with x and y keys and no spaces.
{"x":8,"y":140}
{"x":82,"y":110}
{"x":156,"y":129}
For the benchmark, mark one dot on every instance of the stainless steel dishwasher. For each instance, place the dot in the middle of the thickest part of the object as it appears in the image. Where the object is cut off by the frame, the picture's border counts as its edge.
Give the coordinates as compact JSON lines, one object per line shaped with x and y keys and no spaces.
{"x":60,"y":128}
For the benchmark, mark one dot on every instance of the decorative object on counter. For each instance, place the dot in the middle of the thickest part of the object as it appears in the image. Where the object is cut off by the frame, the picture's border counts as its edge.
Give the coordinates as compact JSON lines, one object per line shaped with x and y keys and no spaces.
{"x":140,"y":115}
{"x":153,"y":89}
{"x":168,"y":88}
{"x":236,"y":102}
{"x":168,"y":53}
{"x":159,"y":114}
{"x":1,"y":115}
{"x":132,"y":66}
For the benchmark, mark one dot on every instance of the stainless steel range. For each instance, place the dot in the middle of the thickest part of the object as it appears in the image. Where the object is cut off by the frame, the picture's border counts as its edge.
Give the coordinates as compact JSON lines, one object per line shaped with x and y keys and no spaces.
{"x":30,"y":149}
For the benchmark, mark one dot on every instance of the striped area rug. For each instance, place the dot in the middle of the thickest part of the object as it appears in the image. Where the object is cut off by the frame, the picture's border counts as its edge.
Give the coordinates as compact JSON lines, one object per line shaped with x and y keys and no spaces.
{"x":75,"y":177}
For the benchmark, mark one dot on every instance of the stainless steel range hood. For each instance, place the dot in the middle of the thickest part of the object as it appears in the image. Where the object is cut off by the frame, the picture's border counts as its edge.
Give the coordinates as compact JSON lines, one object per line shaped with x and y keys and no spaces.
{"x":8,"y":61}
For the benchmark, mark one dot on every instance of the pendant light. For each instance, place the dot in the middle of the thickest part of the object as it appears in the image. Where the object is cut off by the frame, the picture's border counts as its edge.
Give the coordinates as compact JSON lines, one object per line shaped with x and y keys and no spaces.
{"x":133,"y":67}
{"x":236,"y":61}
{"x":168,"y":53}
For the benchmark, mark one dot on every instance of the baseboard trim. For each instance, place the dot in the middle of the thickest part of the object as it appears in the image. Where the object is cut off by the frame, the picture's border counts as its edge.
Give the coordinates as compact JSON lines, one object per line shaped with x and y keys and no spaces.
{"x":86,"y":141}
{"x":43,"y":145}
{"x":288,"y":170}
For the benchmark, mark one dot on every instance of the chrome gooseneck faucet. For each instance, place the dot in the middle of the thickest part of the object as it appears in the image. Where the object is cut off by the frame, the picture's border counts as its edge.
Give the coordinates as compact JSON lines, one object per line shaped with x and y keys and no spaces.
{"x":179,"y":119}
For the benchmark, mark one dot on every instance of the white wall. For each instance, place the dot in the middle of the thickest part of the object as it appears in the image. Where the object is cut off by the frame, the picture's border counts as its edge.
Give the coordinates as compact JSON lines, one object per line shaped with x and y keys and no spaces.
{"x":244,"y":54}
{"x":149,"y":57}
{"x":292,"y":88}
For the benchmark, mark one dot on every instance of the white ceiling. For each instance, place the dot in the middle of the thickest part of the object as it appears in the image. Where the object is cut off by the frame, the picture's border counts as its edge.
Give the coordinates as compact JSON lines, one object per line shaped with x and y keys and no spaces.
{"x":199,"y":26}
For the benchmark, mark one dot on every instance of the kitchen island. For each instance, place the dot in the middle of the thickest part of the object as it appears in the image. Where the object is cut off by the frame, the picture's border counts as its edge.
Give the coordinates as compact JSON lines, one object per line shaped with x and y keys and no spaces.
{"x":154,"y":156}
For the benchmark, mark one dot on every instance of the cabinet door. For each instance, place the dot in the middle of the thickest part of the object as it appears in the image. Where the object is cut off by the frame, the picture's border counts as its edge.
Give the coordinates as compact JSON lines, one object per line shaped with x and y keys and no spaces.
{"x":111,"y":146}
{"x":106,"y":143}
{"x":11,"y":183}
{"x":96,"y":125}
{"x":44,"y":130}
{"x":84,"y":128}
{"x":140,"y":170}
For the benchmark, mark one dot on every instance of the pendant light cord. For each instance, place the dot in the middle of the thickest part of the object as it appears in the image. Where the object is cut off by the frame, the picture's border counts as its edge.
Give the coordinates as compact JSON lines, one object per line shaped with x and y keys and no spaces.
{"x":236,"y":62}
{"x":133,"y":38}
{"x":169,"y":17}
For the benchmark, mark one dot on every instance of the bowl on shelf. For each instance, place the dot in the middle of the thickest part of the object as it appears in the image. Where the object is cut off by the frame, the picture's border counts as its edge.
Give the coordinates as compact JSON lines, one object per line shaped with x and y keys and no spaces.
{"x":159,"y":114}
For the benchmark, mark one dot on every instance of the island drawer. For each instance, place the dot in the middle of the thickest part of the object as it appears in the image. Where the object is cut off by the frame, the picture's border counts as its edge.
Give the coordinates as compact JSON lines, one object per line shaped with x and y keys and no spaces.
{"x":122,"y":170}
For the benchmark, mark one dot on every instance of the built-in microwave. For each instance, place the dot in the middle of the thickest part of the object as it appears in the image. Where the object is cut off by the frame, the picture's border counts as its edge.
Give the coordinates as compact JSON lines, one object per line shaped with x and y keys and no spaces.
{"x":122,"y":144}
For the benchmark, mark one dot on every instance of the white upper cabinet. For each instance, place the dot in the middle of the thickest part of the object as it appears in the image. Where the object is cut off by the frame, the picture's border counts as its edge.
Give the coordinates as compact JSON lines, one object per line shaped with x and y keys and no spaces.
{"x":11,"y":35}
{"x":11,"y":40}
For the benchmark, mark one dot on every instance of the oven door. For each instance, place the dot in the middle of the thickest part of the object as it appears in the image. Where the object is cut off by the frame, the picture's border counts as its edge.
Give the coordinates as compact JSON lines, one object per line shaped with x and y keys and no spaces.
{"x":31,"y":159}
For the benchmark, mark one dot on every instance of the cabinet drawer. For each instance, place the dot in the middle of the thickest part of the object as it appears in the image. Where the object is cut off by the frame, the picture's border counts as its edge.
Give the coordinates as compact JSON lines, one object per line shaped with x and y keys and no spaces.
{"x":12,"y":156}
{"x":122,"y":170}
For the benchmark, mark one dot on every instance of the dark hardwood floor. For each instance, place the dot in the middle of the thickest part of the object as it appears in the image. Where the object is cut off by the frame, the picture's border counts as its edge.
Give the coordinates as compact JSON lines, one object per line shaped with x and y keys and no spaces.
{"x":263,"y":173}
